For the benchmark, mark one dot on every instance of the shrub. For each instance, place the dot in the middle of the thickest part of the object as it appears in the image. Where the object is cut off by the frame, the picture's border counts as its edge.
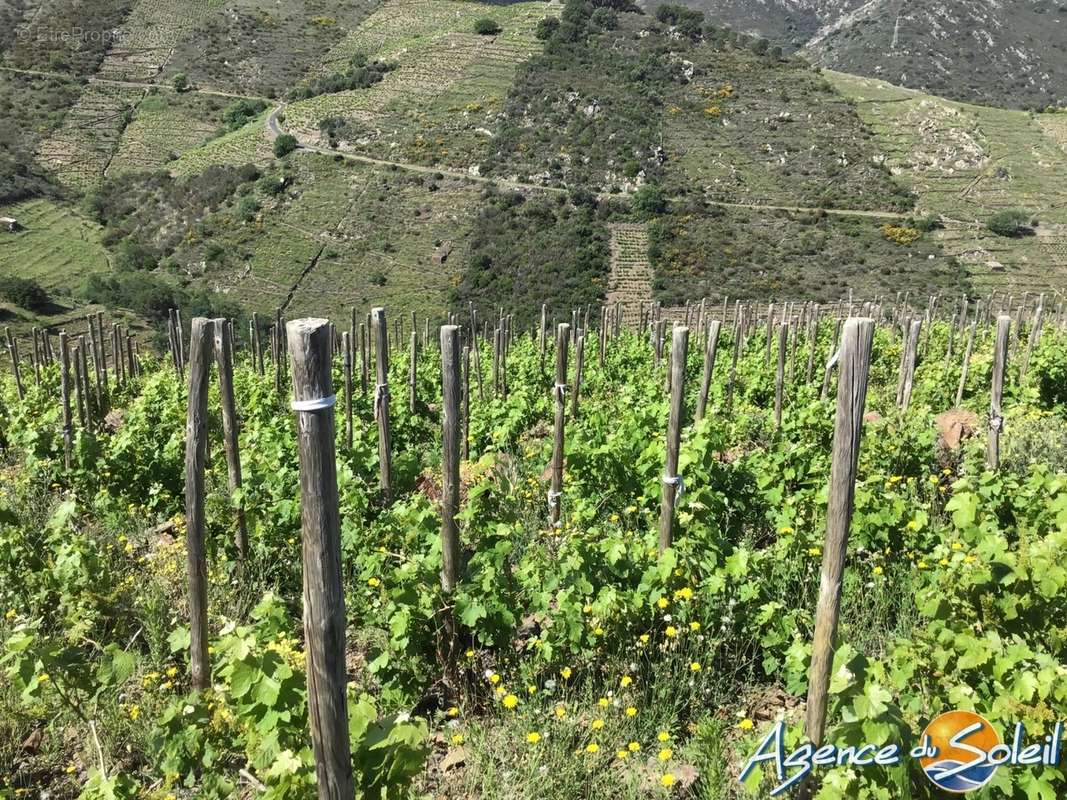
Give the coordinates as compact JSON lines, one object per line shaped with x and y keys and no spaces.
{"x":284,"y":145}
{"x":648,"y":201}
{"x":180,"y":82}
{"x":1011,"y":222}
{"x":24,"y":292}
{"x":546,"y":27}
{"x":486,"y":27}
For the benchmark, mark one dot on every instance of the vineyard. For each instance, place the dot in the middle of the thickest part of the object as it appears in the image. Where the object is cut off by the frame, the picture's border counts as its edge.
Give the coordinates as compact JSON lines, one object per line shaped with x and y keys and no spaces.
{"x":577,"y":562}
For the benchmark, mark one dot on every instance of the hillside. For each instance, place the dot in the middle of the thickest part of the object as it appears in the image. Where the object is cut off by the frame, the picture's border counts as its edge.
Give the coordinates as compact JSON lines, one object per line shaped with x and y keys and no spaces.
{"x":997,"y":52}
{"x":436,"y":164}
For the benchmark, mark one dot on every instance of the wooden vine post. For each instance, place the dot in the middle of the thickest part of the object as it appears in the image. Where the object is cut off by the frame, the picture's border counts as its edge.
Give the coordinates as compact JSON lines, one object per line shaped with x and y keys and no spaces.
{"x":200,"y":345}
{"x":579,"y":365}
{"x":346,"y":351}
{"x":13,"y":351}
{"x":853,"y":369}
{"x":672,"y":481}
{"x":64,"y":390}
{"x":451,"y":423}
{"x":966,"y":363}
{"x":709,"y":367}
{"x":996,"y":419}
{"x":779,"y":375}
{"x":230,"y":427}
{"x":413,"y":370}
{"x":324,"y":603}
{"x":555,"y":491}
{"x":381,"y":403}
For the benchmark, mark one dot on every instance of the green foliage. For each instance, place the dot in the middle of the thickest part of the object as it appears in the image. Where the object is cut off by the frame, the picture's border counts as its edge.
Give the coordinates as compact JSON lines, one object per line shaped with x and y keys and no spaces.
{"x":486,"y":26}
{"x":648,"y":201}
{"x":24,"y":292}
{"x":563,"y":260}
{"x":284,"y":145}
{"x":180,"y":82}
{"x":1009,"y":223}
{"x":240,"y":112}
{"x":360,"y":74}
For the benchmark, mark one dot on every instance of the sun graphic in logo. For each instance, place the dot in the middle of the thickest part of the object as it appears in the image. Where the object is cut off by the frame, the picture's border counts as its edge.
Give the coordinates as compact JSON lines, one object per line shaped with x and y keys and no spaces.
{"x":961,"y":741}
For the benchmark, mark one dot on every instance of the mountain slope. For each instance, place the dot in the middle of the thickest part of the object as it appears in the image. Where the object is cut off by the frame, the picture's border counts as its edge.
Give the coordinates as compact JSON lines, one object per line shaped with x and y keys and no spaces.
{"x":996,"y":52}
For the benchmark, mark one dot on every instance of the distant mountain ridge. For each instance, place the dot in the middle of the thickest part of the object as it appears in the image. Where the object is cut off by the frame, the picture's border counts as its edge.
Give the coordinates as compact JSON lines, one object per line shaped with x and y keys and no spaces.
{"x":1010,"y":53}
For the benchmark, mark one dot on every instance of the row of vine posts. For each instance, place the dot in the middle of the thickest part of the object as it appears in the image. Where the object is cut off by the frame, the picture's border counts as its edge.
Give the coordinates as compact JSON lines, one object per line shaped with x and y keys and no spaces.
{"x":312,"y":345}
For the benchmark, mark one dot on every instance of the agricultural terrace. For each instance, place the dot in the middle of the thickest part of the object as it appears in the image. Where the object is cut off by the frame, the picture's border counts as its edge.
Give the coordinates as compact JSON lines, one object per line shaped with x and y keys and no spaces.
{"x":439,"y":105}
{"x":79,"y":151}
{"x":590,"y":659}
{"x":249,"y":144}
{"x":966,"y":163}
{"x":164,"y":126}
{"x":149,"y":35}
{"x":262,"y":47}
{"x":345,"y":236}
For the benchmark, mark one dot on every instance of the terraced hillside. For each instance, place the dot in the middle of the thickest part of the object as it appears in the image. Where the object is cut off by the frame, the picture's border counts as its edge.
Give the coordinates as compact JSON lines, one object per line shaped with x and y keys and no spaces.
{"x":163,"y":126}
{"x":630,"y":283}
{"x":967,"y":162}
{"x":440,"y":103}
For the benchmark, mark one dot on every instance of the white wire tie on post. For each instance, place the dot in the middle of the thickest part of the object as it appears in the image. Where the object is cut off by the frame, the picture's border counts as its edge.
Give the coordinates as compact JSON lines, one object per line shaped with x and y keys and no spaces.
{"x":560,"y":389}
{"x":679,"y":485}
{"x":553,"y":498}
{"x":319,"y":404}
{"x":996,"y":423}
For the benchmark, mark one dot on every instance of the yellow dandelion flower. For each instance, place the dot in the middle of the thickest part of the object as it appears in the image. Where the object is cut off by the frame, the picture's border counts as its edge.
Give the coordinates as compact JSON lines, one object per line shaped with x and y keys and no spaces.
{"x":566,"y":673}
{"x":453,"y":712}
{"x":622,"y":755}
{"x":671,"y":631}
{"x":457,"y":738}
{"x":694,"y":667}
{"x":469,"y":654}
{"x":592,"y":747}
{"x":746,"y":724}
{"x":694,"y":626}
{"x":633,"y":747}
{"x":665,"y":754}
{"x":560,"y":712}
{"x":957,"y":546}
{"x":626,"y":681}
{"x":631,"y":711}
{"x":533,"y":737}
{"x":667,"y":780}
{"x":602,"y":702}
{"x":596,"y":724}
{"x":662,"y":603}
{"x":663,"y":736}
{"x":643,"y":638}
{"x":510,"y":701}
{"x":373,"y":582}
{"x":877,"y":570}
{"x":531,"y":690}
{"x":494,"y":678}
{"x":814,"y":552}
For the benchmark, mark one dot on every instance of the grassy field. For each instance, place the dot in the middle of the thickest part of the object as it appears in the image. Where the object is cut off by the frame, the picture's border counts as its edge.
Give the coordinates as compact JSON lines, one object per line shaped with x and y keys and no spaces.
{"x":438,"y":106}
{"x":967,"y":162}
{"x":163,"y":127}
{"x":57,"y":247}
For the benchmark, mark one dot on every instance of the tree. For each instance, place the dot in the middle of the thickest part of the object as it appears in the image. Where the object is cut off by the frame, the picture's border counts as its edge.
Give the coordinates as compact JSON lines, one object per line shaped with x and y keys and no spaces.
{"x":284,"y":145}
{"x":181,"y":82}
{"x":486,"y":27}
{"x":546,"y":27}
{"x":1011,"y":222}
{"x":649,"y":201}
{"x":24,"y":292}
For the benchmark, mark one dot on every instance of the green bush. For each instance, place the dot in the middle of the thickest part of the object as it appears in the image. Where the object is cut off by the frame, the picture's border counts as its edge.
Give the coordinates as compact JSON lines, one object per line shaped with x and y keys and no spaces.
{"x":24,"y":292}
{"x":1011,"y":222}
{"x":486,"y":27}
{"x":284,"y":145}
{"x":649,"y":201}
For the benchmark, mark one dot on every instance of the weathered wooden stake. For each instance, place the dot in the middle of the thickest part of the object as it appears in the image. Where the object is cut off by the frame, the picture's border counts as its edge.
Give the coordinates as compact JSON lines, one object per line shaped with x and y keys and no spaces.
{"x":966,"y":363}
{"x":996,"y":418}
{"x":779,"y":376}
{"x":672,"y":481}
{"x":324,"y":601}
{"x":195,"y":458}
{"x":853,"y":370}
{"x":346,"y":348}
{"x":64,"y":391}
{"x":579,"y":364}
{"x":381,"y":404}
{"x":224,"y":359}
{"x":555,"y":492}
{"x":709,"y":367}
